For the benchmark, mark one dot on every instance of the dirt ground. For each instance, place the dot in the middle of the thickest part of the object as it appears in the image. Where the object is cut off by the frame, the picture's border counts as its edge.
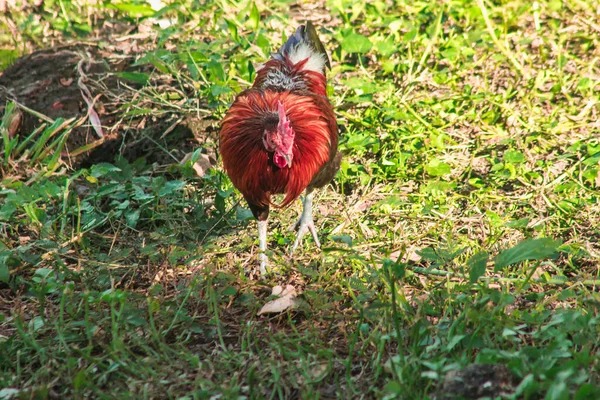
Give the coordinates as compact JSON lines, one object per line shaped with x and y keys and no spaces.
{"x":50,"y":81}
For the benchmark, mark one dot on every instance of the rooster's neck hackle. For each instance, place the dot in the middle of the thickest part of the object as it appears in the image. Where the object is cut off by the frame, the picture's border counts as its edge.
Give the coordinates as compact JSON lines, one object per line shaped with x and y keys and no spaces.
{"x":298,"y":65}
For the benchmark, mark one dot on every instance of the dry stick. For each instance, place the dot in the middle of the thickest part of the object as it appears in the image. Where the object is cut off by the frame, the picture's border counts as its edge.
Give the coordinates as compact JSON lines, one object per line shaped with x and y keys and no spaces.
{"x":501,"y":47}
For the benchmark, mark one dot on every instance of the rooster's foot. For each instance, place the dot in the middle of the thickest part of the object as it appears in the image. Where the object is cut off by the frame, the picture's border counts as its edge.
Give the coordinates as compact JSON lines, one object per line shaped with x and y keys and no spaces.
{"x":303,"y":228}
{"x":306,"y":223}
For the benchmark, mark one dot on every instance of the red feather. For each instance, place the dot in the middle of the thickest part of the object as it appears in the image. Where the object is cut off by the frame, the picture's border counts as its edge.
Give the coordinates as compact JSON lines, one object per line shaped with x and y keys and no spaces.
{"x":248,"y":163}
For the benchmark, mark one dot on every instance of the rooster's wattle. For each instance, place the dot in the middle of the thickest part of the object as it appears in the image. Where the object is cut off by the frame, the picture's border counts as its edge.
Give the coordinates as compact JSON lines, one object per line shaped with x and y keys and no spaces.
{"x":281,"y":136}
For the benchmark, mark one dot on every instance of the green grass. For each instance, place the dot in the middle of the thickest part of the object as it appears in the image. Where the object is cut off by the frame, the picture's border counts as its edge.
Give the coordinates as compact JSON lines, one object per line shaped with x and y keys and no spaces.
{"x":462,"y":227}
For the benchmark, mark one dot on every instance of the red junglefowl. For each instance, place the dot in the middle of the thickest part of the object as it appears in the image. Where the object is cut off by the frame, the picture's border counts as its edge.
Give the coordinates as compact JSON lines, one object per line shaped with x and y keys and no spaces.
{"x":281,"y":136}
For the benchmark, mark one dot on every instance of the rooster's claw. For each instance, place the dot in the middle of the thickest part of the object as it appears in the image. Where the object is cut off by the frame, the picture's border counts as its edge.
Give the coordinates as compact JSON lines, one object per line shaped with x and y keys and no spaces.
{"x":306,"y":223}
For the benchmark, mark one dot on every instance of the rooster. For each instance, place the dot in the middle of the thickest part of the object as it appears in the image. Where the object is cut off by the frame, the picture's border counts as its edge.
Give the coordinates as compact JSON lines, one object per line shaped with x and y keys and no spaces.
{"x":281,"y":137}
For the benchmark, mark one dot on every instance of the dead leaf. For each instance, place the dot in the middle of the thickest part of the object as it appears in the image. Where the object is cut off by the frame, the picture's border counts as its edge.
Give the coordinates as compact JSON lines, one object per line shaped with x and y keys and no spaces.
{"x":558,"y":167}
{"x":89,"y":100}
{"x":287,"y":300}
{"x":410,"y":254}
{"x":318,"y":371}
{"x":65,"y":81}
{"x":202,"y":165}
{"x":15,"y":123}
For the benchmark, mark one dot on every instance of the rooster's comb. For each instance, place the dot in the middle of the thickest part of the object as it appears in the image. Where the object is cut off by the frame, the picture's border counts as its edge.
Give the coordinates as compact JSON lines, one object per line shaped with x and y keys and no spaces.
{"x":285,"y":129}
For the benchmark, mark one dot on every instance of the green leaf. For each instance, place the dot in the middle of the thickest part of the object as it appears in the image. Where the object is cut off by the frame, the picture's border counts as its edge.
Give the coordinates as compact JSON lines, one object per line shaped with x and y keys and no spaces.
{"x":229,"y":291}
{"x":386,"y":47}
{"x":8,"y":393}
{"x":454,"y":341}
{"x":243,"y":214}
{"x":102,"y":169}
{"x":4,"y":271}
{"x":137,"y":77}
{"x":132,"y":217}
{"x":438,"y":187}
{"x":217,"y":90}
{"x":477,"y":264}
{"x":514,"y":157}
{"x":586,"y":391}
{"x":216,"y":71}
{"x":347,"y":240}
{"x":80,"y":379}
{"x":356,"y":43}
{"x":134,"y":10}
{"x":558,"y":391}
{"x":529,"y":249}
{"x":233,"y":31}
{"x":170,"y":187}
{"x":36,"y":323}
{"x":437,"y":168}
{"x":393,"y":387}
{"x":361,"y":84}
{"x":254,"y":17}
{"x":519,"y":223}
{"x":7,"y":57}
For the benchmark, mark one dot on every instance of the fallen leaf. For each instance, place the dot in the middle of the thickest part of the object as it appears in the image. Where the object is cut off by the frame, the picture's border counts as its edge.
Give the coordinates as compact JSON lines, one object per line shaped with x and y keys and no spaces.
{"x":202,"y":165}
{"x":558,"y":167}
{"x":410,"y":254}
{"x":15,"y":123}
{"x":318,"y":371}
{"x":287,"y":300}
{"x":66,"y":81}
{"x":89,"y":100}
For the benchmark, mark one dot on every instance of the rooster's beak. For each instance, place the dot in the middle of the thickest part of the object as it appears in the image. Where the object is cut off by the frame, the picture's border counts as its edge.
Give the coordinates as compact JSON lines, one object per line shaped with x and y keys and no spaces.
{"x":288,"y":160}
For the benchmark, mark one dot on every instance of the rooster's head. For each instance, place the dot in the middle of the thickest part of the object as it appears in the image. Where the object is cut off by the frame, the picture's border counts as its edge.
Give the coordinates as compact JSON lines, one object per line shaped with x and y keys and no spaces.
{"x":278,"y":138}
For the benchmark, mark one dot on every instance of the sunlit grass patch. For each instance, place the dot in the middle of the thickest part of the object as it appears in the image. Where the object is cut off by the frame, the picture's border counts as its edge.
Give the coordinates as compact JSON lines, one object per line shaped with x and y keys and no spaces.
{"x":460,"y":237}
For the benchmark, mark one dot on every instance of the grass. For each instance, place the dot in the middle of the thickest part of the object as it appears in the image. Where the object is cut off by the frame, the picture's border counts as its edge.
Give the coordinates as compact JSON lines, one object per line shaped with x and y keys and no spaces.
{"x":461,"y":229}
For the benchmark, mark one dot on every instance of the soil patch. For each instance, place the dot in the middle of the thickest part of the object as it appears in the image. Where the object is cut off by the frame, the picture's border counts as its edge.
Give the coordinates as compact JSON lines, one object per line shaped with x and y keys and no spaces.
{"x":49,"y":82}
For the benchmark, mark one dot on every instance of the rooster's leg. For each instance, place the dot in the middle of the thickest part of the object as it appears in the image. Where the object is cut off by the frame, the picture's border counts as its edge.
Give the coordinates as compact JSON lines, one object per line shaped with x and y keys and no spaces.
{"x":306,"y":222}
{"x":262,"y":246}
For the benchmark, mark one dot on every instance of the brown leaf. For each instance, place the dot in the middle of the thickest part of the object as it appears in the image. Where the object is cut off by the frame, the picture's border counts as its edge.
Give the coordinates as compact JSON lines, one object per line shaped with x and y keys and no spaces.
{"x":409,"y":255}
{"x":89,"y":100}
{"x":15,"y":123}
{"x":287,"y":300}
{"x":65,"y":81}
{"x":201,"y":166}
